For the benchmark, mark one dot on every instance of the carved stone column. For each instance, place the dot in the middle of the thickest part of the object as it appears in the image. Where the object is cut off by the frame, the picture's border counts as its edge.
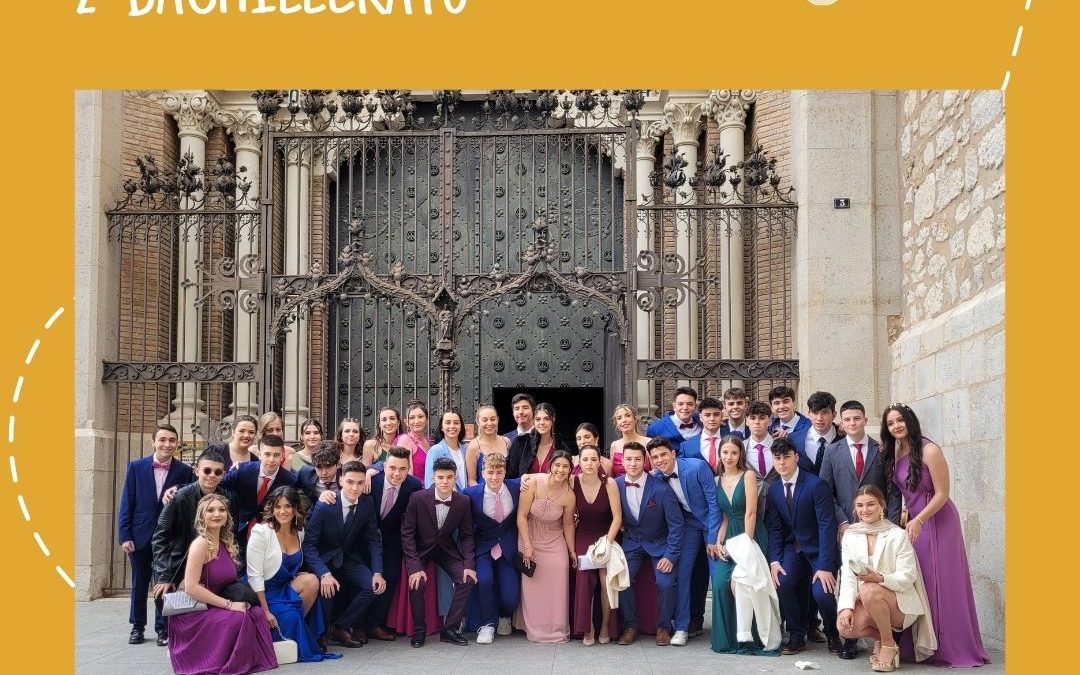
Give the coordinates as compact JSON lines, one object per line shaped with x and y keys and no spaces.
{"x":687,"y":122}
{"x":729,"y":107}
{"x":297,"y":261}
{"x":653,"y":128}
{"x":193,"y":111}
{"x":245,"y":126}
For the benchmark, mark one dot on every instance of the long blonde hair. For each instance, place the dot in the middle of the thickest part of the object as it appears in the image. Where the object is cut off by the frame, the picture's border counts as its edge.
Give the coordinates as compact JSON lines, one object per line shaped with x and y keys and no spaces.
{"x":226,"y":535}
{"x":633,"y":413}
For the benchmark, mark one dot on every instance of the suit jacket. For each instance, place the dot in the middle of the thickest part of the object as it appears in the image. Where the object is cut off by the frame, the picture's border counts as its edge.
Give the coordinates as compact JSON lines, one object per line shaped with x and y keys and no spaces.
{"x":264,"y":555}
{"x":360,"y":543}
{"x":307,"y":481}
{"x":797,"y":436}
{"x":522,"y":453}
{"x":807,"y":463}
{"x":691,"y":448}
{"x":725,"y":430}
{"x":699,"y":487}
{"x":243,"y":481}
{"x":809,"y":527}
{"x":838,"y":471}
{"x":667,"y":428}
{"x":391,"y":525}
{"x":486,"y":531}
{"x":176,"y":530}
{"x":140,"y":504}
{"x":421,"y":534}
{"x":659,"y":528}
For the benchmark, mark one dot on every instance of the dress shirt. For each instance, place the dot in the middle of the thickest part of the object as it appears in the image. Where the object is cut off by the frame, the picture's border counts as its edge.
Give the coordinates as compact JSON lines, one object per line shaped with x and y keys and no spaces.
{"x":633,"y":495}
{"x":345,"y":504}
{"x":686,"y":433}
{"x":789,"y":424}
{"x":522,"y":431}
{"x":441,"y":510}
{"x":741,"y":430}
{"x":810,"y":447}
{"x":321,"y":487}
{"x":676,"y":486}
{"x":705,"y":446}
{"x":387,"y":487}
{"x":865,"y":445}
{"x":793,"y":480}
{"x":160,"y":475}
{"x":502,"y":495}
{"x":752,"y":453}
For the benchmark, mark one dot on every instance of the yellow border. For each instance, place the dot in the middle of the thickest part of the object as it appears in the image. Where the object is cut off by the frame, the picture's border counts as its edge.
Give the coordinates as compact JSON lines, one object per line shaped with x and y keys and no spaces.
{"x":49,"y":51}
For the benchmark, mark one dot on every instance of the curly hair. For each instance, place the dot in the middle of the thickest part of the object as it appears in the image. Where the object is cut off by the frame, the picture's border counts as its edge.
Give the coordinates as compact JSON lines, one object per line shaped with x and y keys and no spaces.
{"x":226,"y":536}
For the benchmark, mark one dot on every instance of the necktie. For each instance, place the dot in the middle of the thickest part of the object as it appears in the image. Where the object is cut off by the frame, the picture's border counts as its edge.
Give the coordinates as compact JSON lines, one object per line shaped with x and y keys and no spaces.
{"x":712,"y":452}
{"x":790,"y":506}
{"x":760,"y":458}
{"x":388,"y":503}
{"x":820,"y":454}
{"x":161,"y":465}
{"x":263,"y":486}
{"x":858,"y":461}
{"x":349,"y":515}
{"x":500,"y":514}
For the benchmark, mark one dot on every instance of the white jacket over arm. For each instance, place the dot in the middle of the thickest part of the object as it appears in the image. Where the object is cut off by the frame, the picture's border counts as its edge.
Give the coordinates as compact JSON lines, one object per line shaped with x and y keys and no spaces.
{"x":263,"y":555}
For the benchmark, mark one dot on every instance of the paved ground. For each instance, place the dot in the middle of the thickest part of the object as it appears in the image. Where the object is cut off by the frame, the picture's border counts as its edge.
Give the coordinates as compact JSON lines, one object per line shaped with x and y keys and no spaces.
{"x":101,"y":648}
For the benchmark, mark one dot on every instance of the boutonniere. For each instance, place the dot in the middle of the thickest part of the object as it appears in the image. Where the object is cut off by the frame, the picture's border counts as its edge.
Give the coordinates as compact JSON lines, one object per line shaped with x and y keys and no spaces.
{"x":652,"y":503}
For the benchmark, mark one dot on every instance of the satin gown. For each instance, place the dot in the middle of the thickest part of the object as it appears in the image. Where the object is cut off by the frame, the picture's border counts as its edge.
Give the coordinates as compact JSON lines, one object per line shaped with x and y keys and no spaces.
{"x":944,"y":565}
{"x":287,"y":606}
{"x":545,"y":596}
{"x":594,"y":520}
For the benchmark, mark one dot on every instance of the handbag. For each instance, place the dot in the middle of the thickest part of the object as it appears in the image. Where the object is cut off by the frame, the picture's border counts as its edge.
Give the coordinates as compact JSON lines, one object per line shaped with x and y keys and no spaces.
{"x":284,"y":649}
{"x":522,"y":565}
{"x":179,"y":602}
{"x":859,"y":567}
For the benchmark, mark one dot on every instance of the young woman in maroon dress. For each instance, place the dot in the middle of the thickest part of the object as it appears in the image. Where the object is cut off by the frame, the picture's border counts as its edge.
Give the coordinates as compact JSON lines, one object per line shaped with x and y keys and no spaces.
{"x":599,"y":514}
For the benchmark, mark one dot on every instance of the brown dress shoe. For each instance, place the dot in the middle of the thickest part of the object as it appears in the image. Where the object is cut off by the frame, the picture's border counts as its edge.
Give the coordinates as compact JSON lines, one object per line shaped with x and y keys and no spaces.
{"x":663,"y":637}
{"x":343,"y":638}
{"x":360,"y":635}
{"x":380,"y":633}
{"x":629,"y":636}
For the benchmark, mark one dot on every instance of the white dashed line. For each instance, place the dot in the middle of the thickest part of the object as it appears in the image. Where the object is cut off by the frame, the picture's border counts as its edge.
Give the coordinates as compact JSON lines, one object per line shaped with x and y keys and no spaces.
{"x":53,"y":318}
{"x":64,"y":576}
{"x":41,"y":544}
{"x":33,"y":350}
{"x":22,"y":505}
{"x":1005,"y":83}
{"x":1016,"y":43}
{"x":18,"y":390}
{"x":11,"y":429}
{"x":14,"y":473}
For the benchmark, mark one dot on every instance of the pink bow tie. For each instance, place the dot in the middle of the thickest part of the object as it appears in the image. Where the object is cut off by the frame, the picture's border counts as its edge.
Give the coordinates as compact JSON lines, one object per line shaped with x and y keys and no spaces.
{"x":162,"y":465}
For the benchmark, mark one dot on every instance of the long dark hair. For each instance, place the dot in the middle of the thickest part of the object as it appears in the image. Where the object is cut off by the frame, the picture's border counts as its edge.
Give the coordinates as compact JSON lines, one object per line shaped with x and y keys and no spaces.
{"x":290,"y":495}
{"x":440,"y":436}
{"x":732,"y":439}
{"x":914,"y":441}
{"x":534,"y":435}
{"x":341,"y":425}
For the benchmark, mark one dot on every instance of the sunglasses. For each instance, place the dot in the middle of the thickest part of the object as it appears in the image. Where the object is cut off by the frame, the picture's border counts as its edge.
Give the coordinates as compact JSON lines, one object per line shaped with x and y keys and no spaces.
{"x":206,"y":471}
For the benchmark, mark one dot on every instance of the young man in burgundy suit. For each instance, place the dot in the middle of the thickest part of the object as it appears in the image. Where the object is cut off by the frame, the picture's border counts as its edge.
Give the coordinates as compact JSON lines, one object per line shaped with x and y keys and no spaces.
{"x":438,"y":526}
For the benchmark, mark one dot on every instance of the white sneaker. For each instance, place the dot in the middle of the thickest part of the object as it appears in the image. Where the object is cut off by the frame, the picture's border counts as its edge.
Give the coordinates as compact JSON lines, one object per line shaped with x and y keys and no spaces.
{"x":504,"y":626}
{"x":486,"y":635}
{"x":679,"y":638}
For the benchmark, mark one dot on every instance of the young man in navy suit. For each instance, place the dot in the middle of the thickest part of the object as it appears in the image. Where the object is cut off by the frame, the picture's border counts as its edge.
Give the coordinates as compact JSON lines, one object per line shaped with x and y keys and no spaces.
{"x":803,"y":555}
{"x":390,"y":491}
{"x":321,"y":475}
{"x":494,"y":515}
{"x":343,"y":547}
{"x":523,"y":407}
{"x":694,"y":486}
{"x":735,"y":410}
{"x":252,"y":481}
{"x":821,"y":410}
{"x":140,"y":505}
{"x":682,"y":423}
{"x":653,"y":534}
{"x":757,"y":444}
{"x":786,"y":420}
{"x":438,"y":526}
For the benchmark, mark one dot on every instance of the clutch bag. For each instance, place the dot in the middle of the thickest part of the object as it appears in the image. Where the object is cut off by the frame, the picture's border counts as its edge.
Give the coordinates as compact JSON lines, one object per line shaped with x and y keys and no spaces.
{"x":284,"y":649}
{"x":179,"y":602}
{"x":859,"y":567}
{"x":521,"y":565}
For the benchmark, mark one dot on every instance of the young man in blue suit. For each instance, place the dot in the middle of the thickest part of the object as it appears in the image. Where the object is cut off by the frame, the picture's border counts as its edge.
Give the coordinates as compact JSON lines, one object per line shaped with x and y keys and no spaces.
{"x":653,"y":534}
{"x":321,"y":475}
{"x":735,"y":403}
{"x":706,"y":445}
{"x":786,"y":422}
{"x":390,"y":490}
{"x":803,"y":555}
{"x":252,"y":481}
{"x":343,"y":547}
{"x":494,"y":514}
{"x":140,"y":505}
{"x":682,"y":423}
{"x":694,"y":486}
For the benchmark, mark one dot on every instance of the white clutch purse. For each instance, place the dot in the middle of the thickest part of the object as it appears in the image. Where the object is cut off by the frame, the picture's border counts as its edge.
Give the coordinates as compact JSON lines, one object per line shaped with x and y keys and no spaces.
{"x":859,"y":567}
{"x":284,"y":650}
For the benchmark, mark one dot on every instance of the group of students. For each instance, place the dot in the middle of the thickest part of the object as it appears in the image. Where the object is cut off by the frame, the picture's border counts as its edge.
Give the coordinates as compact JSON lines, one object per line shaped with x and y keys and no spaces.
{"x":790,"y":517}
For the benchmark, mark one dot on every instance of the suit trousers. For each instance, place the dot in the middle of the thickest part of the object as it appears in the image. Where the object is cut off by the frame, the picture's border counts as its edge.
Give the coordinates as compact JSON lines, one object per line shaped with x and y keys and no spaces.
{"x":380,"y":607}
{"x":141,"y":575}
{"x":795,"y":590}
{"x":498,"y":588}
{"x":348,"y":608}
{"x":692,"y":545}
{"x":699,"y":587}
{"x":665,"y":589}
{"x":456,"y":569}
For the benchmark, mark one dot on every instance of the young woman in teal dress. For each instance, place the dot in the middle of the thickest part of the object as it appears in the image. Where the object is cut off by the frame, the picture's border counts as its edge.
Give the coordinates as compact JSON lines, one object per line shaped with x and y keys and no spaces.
{"x":737,"y":495}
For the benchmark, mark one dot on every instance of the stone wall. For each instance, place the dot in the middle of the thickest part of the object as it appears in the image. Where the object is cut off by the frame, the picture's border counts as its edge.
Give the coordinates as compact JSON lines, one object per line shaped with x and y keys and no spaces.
{"x":949,"y":357}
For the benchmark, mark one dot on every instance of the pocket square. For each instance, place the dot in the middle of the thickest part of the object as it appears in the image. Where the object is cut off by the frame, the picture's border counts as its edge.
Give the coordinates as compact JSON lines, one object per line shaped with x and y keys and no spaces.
{"x":652,"y":503}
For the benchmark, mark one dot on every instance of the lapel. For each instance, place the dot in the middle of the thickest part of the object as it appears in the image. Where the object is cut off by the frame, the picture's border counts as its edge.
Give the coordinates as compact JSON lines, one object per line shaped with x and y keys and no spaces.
{"x":872,"y":451}
{"x":845,"y":454}
{"x":377,"y":492}
{"x":684,"y":477}
{"x":620,"y":482}
{"x":879,"y":547}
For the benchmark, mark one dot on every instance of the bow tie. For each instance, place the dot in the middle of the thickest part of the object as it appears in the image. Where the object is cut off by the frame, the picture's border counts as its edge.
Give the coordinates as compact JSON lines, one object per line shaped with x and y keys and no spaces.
{"x":162,"y":465}
{"x":669,"y":476}
{"x":629,"y":484}
{"x":444,"y":502}
{"x":688,"y":425}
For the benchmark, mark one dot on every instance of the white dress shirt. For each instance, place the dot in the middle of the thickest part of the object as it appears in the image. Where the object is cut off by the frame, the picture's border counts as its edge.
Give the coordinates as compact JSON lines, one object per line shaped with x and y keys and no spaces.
{"x":634,"y":494}
{"x":676,"y":486}
{"x":345,"y":504}
{"x":502,"y":495}
{"x":864,"y":444}
{"x":750,"y":445}
{"x":810,"y":448}
{"x":442,"y":510}
{"x":705,"y":446}
{"x":689,"y":432}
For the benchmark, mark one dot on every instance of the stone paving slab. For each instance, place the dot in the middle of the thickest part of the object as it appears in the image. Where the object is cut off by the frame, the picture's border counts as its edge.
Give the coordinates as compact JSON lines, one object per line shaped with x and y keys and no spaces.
{"x":101,"y":631}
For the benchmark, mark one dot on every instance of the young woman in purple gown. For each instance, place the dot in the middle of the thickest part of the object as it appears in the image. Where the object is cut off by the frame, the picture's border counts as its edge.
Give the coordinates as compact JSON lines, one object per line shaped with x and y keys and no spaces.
{"x":919,"y":471}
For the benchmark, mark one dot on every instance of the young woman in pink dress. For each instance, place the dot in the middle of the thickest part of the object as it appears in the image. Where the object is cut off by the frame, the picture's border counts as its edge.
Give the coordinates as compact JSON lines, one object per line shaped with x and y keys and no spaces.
{"x":416,"y":439}
{"x":546,"y":536}
{"x":917,"y":468}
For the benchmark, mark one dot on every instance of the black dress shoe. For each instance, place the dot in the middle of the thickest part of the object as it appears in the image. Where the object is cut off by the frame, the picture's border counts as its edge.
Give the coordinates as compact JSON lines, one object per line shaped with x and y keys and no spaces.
{"x":344,"y":638}
{"x":324,"y":642}
{"x":696,"y":629}
{"x":835,"y":644}
{"x":136,"y":637}
{"x":162,"y":639}
{"x":794,"y":646}
{"x":453,"y":637}
{"x":815,"y":635}
{"x":849,"y":649}
{"x":418,"y":639}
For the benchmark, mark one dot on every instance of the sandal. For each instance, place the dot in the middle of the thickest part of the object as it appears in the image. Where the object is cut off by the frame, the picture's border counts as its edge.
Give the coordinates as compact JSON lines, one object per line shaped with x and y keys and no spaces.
{"x":880,"y":666}
{"x":605,"y":635}
{"x":588,"y":641}
{"x":874,"y":652}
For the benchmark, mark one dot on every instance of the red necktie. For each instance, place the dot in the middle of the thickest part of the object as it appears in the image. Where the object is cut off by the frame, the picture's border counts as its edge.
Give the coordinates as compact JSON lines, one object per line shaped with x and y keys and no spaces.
{"x":760,"y":458}
{"x":858,"y":461}
{"x":263,"y":486}
{"x":712,"y":452}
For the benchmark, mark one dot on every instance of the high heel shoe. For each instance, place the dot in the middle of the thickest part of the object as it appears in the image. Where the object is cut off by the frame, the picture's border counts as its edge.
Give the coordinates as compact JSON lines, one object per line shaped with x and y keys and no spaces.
{"x":880,"y":666}
{"x":605,"y":636}
{"x":588,"y":640}
{"x":874,"y":652}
